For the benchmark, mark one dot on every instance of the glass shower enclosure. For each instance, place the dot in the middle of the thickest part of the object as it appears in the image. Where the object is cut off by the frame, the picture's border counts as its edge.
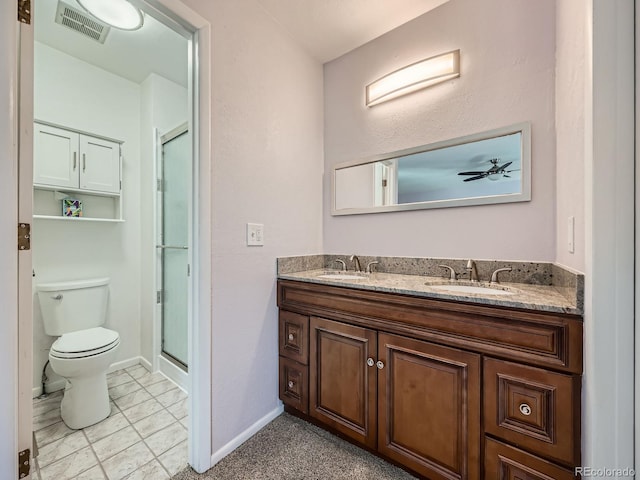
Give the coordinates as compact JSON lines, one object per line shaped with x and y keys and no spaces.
{"x":173,"y":243}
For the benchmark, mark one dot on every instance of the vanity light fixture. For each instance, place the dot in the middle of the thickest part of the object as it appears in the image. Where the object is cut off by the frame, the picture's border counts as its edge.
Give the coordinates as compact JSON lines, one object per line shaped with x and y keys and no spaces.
{"x":414,"y":77}
{"x":117,"y":13}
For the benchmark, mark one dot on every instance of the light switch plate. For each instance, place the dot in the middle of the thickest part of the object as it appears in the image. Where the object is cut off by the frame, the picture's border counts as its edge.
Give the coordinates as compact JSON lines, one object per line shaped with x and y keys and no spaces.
{"x":571,"y":234}
{"x":255,"y":234}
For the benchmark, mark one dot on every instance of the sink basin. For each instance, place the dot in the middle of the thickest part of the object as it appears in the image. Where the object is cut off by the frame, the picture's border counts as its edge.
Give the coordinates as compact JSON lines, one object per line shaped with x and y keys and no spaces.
{"x":342,"y":276}
{"x":477,"y":289}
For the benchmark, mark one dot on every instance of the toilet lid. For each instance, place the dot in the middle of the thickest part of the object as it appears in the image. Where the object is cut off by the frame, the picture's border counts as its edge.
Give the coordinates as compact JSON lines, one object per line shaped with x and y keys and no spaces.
{"x":84,"y":343}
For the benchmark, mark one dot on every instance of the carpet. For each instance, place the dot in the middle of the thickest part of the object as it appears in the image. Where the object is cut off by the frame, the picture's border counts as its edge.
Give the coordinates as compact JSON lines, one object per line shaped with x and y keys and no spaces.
{"x":289,"y":448}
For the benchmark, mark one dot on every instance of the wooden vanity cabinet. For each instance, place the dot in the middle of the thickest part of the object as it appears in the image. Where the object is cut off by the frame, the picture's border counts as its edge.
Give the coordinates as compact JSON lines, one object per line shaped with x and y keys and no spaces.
{"x":447,"y":389}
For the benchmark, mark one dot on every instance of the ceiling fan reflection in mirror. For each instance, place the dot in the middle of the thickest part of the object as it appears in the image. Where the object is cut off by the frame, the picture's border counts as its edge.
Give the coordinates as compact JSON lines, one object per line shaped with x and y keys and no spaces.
{"x":493,"y":173}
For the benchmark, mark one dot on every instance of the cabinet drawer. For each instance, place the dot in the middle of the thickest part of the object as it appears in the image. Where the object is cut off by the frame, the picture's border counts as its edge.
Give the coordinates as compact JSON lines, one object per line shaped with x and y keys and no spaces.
{"x":294,"y":384}
{"x":503,"y":462}
{"x":536,"y":409}
{"x":294,"y":336}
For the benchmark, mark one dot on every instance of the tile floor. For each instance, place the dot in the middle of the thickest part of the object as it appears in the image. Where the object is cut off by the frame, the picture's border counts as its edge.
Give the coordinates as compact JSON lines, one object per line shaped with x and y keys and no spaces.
{"x":145,"y":437}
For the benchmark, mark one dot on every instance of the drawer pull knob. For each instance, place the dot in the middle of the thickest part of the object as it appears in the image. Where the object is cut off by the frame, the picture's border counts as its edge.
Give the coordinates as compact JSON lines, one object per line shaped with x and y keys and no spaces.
{"x":370,"y":362}
{"x":291,"y":337}
{"x":525,"y":409}
{"x":290,"y":384}
{"x":380,"y":365}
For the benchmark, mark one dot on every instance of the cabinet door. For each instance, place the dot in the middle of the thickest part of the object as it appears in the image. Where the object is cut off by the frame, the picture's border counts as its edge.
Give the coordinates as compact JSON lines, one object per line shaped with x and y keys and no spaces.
{"x":100,"y":165}
{"x":429,"y":407}
{"x":504,"y":462}
{"x":55,"y":157}
{"x":342,"y":387}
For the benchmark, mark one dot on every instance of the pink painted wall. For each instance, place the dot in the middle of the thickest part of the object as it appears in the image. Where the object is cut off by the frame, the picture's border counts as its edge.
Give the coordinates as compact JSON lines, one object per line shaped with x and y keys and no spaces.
{"x":507,"y":76}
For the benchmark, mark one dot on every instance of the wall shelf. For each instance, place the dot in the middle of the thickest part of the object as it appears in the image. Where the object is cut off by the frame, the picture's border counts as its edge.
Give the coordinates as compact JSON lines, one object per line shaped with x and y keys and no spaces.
{"x":79,"y":219}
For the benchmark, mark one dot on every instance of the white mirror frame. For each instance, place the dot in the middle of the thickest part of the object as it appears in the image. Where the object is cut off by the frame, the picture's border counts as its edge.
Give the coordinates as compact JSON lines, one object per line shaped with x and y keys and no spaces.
{"x":523,"y":196}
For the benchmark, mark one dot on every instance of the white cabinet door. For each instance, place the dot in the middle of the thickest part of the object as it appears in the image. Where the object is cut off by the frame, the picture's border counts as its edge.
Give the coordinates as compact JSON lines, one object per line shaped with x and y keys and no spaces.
{"x":55,"y":157}
{"x":100,"y":164}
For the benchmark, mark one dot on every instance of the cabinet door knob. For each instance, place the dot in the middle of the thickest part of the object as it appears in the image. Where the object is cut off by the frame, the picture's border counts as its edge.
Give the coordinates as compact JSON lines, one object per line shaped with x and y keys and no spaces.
{"x":290,"y":384}
{"x":525,"y":409}
{"x":291,"y":337}
{"x":380,"y":365}
{"x":370,"y":362}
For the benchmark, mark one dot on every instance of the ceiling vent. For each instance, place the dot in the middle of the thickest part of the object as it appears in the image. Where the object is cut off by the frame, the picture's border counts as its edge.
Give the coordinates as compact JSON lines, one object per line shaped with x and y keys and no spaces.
{"x":81,"y":22}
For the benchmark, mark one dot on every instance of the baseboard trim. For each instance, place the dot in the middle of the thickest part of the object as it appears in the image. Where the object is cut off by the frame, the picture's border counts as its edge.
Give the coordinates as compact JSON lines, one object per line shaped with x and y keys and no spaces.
{"x":173,"y":373}
{"x":244,"y":436}
{"x":146,"y":364}
{"x":50,"y":387}
{"x":130,"y":362}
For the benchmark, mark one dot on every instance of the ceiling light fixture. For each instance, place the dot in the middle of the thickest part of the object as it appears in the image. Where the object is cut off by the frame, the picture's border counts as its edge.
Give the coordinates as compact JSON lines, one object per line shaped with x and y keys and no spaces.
{"x":414,"y":77}
{"x":117,"y":13}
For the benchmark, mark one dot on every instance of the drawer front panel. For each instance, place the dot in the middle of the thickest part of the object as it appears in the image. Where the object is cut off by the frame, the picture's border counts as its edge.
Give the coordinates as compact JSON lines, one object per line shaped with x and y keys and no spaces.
{"x":294,"y":384}
{"x":503,"y":462}
{"x":534,"y":408}
{"x":294,"y":336}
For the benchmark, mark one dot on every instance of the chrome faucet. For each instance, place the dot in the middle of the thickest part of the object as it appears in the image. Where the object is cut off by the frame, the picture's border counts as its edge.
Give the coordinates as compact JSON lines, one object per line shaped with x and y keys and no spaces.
{"x":473,"y":271}
{"x":453,"y":276}
{"x":356,"y":262}
{"x":371,"y":264}
{"x":344,"y":264}
{"x":494,"y":275}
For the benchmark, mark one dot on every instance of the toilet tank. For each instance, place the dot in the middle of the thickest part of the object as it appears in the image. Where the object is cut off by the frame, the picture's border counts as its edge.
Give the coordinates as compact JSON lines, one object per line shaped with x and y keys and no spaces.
{"x":74,"y":305}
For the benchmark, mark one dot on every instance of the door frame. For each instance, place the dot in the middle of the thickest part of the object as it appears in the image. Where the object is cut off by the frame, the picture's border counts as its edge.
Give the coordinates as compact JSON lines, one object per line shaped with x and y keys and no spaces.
{"x":181,"y":18}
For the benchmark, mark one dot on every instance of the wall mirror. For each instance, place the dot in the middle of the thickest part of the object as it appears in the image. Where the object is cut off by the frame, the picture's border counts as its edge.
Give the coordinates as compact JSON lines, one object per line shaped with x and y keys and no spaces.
{"x":479,"y":169}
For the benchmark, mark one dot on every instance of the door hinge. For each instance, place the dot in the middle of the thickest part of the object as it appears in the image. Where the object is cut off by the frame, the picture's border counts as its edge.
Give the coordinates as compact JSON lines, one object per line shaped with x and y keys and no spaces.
{"x":384,"y":182}
{"x":24,"y":236}
{"x":24,"y":465}
{"x":159,"y":185}
{"x":24,"y":11}
{"x":159,"y":296}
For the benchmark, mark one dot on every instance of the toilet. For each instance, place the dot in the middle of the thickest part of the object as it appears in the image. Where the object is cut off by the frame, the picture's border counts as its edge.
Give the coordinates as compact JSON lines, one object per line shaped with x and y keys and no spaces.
{"x":74,"y":311}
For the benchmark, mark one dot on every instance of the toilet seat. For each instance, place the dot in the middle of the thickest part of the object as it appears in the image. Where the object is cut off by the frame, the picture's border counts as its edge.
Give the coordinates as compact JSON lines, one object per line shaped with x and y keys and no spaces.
{"x":85,"y":343}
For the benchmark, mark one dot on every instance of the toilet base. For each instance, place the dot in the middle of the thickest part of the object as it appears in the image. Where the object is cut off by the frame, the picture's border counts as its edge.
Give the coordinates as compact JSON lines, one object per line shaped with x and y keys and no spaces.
{"x":85,"y":401}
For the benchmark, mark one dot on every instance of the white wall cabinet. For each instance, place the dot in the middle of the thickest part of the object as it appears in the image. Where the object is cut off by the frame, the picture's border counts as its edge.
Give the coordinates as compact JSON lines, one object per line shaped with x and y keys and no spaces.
{"x":63,"y":158}
{"x":83,"y":166}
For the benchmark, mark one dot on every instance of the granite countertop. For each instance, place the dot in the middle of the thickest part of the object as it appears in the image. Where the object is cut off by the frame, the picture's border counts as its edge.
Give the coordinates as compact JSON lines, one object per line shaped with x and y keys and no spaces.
{"x":545,"y":298}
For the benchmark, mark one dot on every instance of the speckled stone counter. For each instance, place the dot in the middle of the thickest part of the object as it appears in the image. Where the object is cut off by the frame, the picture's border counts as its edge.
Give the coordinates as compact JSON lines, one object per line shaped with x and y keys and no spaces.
{"x":539,"y":293}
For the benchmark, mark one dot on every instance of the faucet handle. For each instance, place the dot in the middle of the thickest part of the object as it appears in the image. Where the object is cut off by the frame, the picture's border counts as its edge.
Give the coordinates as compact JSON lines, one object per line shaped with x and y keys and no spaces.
{"x":370,"y":264}
{"x":494,"y":275}
{"x":452,"y":273}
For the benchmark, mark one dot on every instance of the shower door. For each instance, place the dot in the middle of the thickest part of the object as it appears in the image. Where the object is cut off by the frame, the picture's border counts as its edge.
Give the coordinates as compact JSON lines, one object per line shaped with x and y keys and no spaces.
{"x":173,"y":246}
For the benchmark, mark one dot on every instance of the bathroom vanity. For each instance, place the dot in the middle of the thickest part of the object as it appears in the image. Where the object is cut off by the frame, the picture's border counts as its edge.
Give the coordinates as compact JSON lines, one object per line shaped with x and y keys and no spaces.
{"x":446,"y":385}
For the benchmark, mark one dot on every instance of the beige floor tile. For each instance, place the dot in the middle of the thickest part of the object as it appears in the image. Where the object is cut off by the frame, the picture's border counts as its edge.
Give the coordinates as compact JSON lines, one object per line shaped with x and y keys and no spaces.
{"x":94,"y":473}
{"x":142,"y":410}
{"x":54,"y":451}
{"x":150,"y":378}
{"x":49,"y":396}
{"x":106,"y":427}
{"x":153,"y":423}
{"x":179,"y":409}
{"x":47,"y":419}
{"x":52,"y":433}
{"x":131,"y":399}
{"x":176,"y":458}
{"x":118,"y":378}
{"x":70,"y":466}
{"x":123,"y":389}
{"x":167,"y":438}
{"x":115,"y":443}
{"x":185,"y":422}
{"x":137,"y":371}
{"x":160,"y":387}
{"x":44,"y":406}
{"x":151,"y":471}
{"x":171,"y":397}
{"x":126,"y":462}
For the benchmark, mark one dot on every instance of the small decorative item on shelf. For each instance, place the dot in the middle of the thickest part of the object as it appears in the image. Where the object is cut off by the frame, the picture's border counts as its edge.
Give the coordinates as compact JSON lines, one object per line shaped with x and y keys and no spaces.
{"x":71,"y":207}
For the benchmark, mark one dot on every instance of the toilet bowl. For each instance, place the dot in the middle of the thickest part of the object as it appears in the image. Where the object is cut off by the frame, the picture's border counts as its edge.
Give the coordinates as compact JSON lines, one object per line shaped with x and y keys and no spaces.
{"x":74,"y":312}
{"x":83,"y":358}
